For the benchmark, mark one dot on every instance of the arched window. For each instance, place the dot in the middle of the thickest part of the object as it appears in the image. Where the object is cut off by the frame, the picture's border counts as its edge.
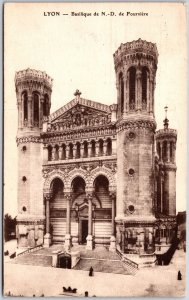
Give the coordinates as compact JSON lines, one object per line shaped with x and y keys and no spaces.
{"x":165,"y":150}
{"x":25,"y":99}
{"x":109,"y":147}
{"x":36,"y":108}
{"x":70,"y":151}
{"x":45,"y":106}
{"x":121,"y":86}
{"x":171,"y":151}
{"x":93,"y":148}
{"x":101,"y":184}
{"x":63,"y":151}
{"x":101,"y":143}
{"x":132,"y":80}
{"x":49,"y":152}
{"x":57,"y":186}
{"x":78,"y":185}
{"x":144,"y":87}
{"x":158,"y":150}
{"x":85,"y":152}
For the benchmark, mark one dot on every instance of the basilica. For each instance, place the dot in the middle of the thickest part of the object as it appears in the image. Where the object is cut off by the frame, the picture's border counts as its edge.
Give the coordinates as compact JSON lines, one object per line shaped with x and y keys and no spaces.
{"x":96,"y":174}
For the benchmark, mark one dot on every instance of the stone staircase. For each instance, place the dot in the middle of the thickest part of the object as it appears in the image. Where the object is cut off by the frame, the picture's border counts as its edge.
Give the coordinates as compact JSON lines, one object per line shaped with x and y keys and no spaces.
{"x":102,"y":260}
{"x":33,"y":259}
{"x":105,"y":266}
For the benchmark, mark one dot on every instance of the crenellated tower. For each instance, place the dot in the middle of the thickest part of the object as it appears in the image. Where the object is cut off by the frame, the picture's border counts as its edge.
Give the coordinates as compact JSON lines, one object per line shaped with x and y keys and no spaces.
{"x":166,"y":182}
{"x":33,"y":91}
{"x":135,"y":67}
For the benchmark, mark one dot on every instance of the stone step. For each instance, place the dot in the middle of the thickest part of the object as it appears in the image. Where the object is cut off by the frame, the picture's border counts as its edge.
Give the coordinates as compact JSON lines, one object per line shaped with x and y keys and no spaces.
{"x":33,"y":259}
{"x":105,"y":266}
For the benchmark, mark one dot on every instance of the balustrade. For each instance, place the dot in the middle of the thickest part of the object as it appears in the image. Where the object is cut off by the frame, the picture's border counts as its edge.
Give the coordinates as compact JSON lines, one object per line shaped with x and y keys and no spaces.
{"x":80,"y":150}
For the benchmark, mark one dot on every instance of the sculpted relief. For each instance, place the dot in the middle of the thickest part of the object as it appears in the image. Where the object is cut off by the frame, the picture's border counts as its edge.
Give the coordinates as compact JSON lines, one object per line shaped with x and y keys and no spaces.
{"x":80,"y":116}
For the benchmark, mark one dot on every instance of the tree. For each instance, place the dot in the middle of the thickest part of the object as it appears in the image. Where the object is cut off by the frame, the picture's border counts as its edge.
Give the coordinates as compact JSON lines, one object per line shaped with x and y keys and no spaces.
{"x":9,"y":227}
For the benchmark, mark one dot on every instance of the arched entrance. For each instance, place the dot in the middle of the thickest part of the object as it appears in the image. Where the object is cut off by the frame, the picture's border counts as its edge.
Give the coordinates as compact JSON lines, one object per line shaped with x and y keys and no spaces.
{"x":102,"y":219}
{"x":80,"y":205}
{"x":57,"y":211}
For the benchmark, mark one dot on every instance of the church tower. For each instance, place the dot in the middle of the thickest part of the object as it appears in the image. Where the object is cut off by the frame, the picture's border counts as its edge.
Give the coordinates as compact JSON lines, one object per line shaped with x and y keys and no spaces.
{"x":135,"y":66}
{"x":33,"y":92}
{"x":166,"y":186}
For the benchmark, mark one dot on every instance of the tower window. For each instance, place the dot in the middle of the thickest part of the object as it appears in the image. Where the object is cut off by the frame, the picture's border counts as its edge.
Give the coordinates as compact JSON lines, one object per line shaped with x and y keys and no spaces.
{"x":131,"y":135}
{"x":36,"y":108}
{"x":49,"y":153}
{"x":131,"y":172}
{"x":24,"y":148}
{"x":131,"y":208}
{"x":121,"y":86}
{"x":132,"y":80}
{"x":45,"y":106}
{"x":24,"y":178}
{"x":144,"y":87}
{"x":24,"y":208}
{"x":25,"y":98}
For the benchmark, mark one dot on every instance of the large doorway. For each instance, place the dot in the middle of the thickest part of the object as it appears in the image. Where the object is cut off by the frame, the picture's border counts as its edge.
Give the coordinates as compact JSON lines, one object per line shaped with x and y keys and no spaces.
{"x":84,"y":231}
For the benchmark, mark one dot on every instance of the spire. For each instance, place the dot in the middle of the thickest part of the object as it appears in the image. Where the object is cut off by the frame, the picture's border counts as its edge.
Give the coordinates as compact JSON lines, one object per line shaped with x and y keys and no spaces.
{"x":166,"y":121}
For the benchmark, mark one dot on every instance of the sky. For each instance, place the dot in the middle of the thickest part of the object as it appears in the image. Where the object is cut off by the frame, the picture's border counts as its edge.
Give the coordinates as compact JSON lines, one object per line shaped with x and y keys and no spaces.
{"x":77,"y":52}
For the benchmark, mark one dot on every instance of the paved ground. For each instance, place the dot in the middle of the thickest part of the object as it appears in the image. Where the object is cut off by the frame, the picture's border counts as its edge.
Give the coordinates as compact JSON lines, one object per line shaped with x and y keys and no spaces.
{"x":157,"y":281}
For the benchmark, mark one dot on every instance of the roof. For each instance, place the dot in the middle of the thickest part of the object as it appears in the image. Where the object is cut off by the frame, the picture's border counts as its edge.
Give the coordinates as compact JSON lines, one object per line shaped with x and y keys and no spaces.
{"x":82,"y":101}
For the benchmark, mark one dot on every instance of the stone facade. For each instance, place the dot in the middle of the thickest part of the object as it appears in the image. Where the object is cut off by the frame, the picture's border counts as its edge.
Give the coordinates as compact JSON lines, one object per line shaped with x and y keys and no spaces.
{"x":91,"y":173}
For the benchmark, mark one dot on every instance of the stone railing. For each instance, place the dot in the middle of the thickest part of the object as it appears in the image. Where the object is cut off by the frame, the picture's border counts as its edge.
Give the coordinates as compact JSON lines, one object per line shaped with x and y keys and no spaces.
{"x":29,"y":250}
{"x":127,"y":260}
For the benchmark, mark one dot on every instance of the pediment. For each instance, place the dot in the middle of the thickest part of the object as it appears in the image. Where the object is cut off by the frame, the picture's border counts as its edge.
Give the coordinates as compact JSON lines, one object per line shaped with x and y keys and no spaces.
{"x":82,"y":113}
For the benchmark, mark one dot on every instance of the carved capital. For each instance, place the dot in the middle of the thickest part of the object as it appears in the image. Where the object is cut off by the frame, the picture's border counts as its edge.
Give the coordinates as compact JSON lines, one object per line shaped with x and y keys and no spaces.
{"x":47,"y":196}
{"x":68,"y":196}
{"x":112,"y":195}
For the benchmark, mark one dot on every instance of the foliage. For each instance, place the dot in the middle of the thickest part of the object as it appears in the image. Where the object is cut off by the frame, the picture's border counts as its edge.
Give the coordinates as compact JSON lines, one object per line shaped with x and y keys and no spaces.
{"x":9,"y":227}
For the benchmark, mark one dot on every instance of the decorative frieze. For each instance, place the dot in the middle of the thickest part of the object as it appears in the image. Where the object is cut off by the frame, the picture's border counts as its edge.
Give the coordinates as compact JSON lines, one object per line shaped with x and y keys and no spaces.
{"x":28,"y":139}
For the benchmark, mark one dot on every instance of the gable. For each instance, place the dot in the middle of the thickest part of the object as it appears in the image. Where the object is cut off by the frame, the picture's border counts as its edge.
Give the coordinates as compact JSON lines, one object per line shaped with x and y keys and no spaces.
{"x":76,"y":114}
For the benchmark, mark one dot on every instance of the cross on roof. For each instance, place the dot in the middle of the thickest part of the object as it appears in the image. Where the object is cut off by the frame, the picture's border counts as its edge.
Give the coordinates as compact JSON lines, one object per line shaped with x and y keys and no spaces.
{"x":166,"y":109}
{"x":166,"y":121}
{"x":77,"y":93}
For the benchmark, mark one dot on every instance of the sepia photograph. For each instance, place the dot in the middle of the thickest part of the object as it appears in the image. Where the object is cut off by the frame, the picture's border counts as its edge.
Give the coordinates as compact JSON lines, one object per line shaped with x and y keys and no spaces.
{"x":95,"y":148}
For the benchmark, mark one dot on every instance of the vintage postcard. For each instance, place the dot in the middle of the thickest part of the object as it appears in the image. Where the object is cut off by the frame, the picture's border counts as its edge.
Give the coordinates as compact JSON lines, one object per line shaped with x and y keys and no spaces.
{"x":95,"y":115}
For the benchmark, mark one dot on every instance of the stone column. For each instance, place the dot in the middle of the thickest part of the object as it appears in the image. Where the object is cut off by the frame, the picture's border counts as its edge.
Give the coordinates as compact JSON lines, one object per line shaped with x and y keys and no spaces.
{"x":168,"y":151}
{"x":30,"y":110}
{"x":53,"y":152}
{"x":161,"y":193}
{"x":67,"y":151}
{"x":105,"y":148}
{"x":60,"y":151}
{"x":47,"y":237}
{"x":89,"y":150}
{"x":41,"y":111}
{"x":148,"y":91}
{"x":90,"y":233}
{"x":161,"y":151}
{"x":127,"y":93}
{"x":67,"y":243}
{"x":123,"y":239}
{"x":45,"y":154}
{"x":97,"y":148}
{"x":81,"y":150}
{"x":74,"y":150}
{"x":173,"y":152}
{"x":19,"y":105}
{"x":138,"y":92}
{"x":113,"y":239}
{"x":151,"y":81}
